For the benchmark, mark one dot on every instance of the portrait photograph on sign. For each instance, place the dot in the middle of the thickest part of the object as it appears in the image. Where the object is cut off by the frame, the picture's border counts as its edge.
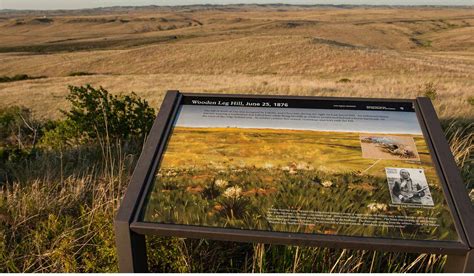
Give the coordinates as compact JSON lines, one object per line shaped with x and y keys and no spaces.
{"x":409,"y":187}
{"x":326,"y":167}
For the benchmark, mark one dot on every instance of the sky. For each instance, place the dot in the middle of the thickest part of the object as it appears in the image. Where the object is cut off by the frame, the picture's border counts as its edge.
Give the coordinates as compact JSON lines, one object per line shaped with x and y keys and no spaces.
{"x":81,"y":4}
{"x":389,"y":121}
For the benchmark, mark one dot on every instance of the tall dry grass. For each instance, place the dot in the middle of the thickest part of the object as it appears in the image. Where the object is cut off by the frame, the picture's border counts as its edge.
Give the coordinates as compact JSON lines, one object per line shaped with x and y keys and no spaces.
{"x":460,"y":135}
{"x":56,"y":212}
{"x":56,"y":215}
{"x":47,"y":96}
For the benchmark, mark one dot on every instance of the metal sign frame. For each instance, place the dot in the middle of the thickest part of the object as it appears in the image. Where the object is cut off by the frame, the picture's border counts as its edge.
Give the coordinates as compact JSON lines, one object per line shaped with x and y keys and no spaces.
{"x":130,"y":231}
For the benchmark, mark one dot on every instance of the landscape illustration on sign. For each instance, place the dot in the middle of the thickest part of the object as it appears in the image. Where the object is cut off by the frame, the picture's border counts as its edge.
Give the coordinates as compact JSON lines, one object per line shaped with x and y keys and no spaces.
{"x":298,"y":170}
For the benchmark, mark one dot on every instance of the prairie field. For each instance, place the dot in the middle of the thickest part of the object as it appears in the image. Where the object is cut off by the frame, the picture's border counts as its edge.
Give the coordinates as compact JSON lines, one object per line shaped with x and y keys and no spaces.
{"x":277,"y":148}
{"x":59,"y":194}
{"x":328,"y":51}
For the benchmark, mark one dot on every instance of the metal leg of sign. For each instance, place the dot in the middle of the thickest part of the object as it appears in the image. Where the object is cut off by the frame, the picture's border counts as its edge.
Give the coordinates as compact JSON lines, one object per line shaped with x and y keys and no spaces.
{"x":131,"y":250}
{"x":460,"y":263}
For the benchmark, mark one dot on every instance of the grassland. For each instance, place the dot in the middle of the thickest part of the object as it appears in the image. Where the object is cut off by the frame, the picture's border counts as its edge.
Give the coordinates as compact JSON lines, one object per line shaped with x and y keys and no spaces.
{"x":287,"y":50}
{"x":57,"y":209}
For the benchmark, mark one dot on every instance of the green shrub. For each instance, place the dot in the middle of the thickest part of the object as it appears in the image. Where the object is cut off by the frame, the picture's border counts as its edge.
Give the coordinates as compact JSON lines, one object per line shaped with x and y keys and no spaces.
{"x":96,"y":114}
{"x":62,"y":134}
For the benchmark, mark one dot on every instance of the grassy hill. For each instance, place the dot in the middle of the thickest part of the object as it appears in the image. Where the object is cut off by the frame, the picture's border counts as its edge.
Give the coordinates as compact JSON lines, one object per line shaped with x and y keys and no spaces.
{"x":384,"y":52}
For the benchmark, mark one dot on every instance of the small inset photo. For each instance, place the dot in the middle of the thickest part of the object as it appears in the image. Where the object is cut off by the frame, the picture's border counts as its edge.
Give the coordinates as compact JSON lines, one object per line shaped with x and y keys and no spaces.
{"x":408,"y":187}
{"x":388,"y":147}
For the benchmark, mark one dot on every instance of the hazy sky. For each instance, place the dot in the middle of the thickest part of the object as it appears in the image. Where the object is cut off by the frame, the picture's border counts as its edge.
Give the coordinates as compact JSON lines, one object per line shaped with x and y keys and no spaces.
{"x":389,"y":121}
{"x":80,"y":4}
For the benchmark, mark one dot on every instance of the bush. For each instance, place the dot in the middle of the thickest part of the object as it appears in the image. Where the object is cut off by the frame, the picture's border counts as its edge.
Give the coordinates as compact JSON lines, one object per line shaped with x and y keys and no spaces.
{"x":61,"y":135}
{"x":96,"y":114}
{"x":344,"y":80}
{"x":19,"y":77}
{"x":80,"y":73}
{"x":18,"y":129}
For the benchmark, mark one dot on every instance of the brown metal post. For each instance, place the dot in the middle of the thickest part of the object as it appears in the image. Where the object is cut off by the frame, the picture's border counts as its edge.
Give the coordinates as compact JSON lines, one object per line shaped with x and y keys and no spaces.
{"x":460,"y":263}
{"x":462,"y":203}
{"x":131,"y":246}
{"x":450,"y":171}
{"x":131,"y":249}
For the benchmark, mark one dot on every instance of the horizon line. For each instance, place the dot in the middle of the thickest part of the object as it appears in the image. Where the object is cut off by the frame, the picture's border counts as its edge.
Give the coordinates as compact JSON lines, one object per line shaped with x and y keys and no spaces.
{"x":249,"y":4}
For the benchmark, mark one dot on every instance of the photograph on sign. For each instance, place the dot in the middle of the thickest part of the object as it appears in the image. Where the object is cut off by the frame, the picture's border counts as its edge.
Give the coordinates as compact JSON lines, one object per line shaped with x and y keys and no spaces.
{"x":409,"y":187}
{"x":326,"y":167}
{"x":388,"y":147}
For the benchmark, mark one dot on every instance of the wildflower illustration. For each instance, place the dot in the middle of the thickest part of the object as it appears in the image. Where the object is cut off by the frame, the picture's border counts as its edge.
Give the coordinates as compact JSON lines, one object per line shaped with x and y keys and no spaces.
{"x":327,"y":183}
{"x":233,"y":192}
{"x":221,"y":183}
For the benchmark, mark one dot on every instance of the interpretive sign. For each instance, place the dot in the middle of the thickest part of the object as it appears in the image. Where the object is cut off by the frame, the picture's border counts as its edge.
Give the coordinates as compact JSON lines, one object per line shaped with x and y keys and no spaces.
{"x":352,"y":173}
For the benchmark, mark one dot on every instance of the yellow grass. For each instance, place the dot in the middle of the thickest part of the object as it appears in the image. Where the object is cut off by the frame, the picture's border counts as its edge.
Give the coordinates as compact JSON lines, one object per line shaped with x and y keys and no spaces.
{"x":277,"y":148}
{"x":300,"y":51}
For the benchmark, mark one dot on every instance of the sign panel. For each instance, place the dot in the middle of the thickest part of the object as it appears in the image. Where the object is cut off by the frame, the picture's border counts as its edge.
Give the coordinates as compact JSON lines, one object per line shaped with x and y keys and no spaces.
{"x":353,"y":168}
